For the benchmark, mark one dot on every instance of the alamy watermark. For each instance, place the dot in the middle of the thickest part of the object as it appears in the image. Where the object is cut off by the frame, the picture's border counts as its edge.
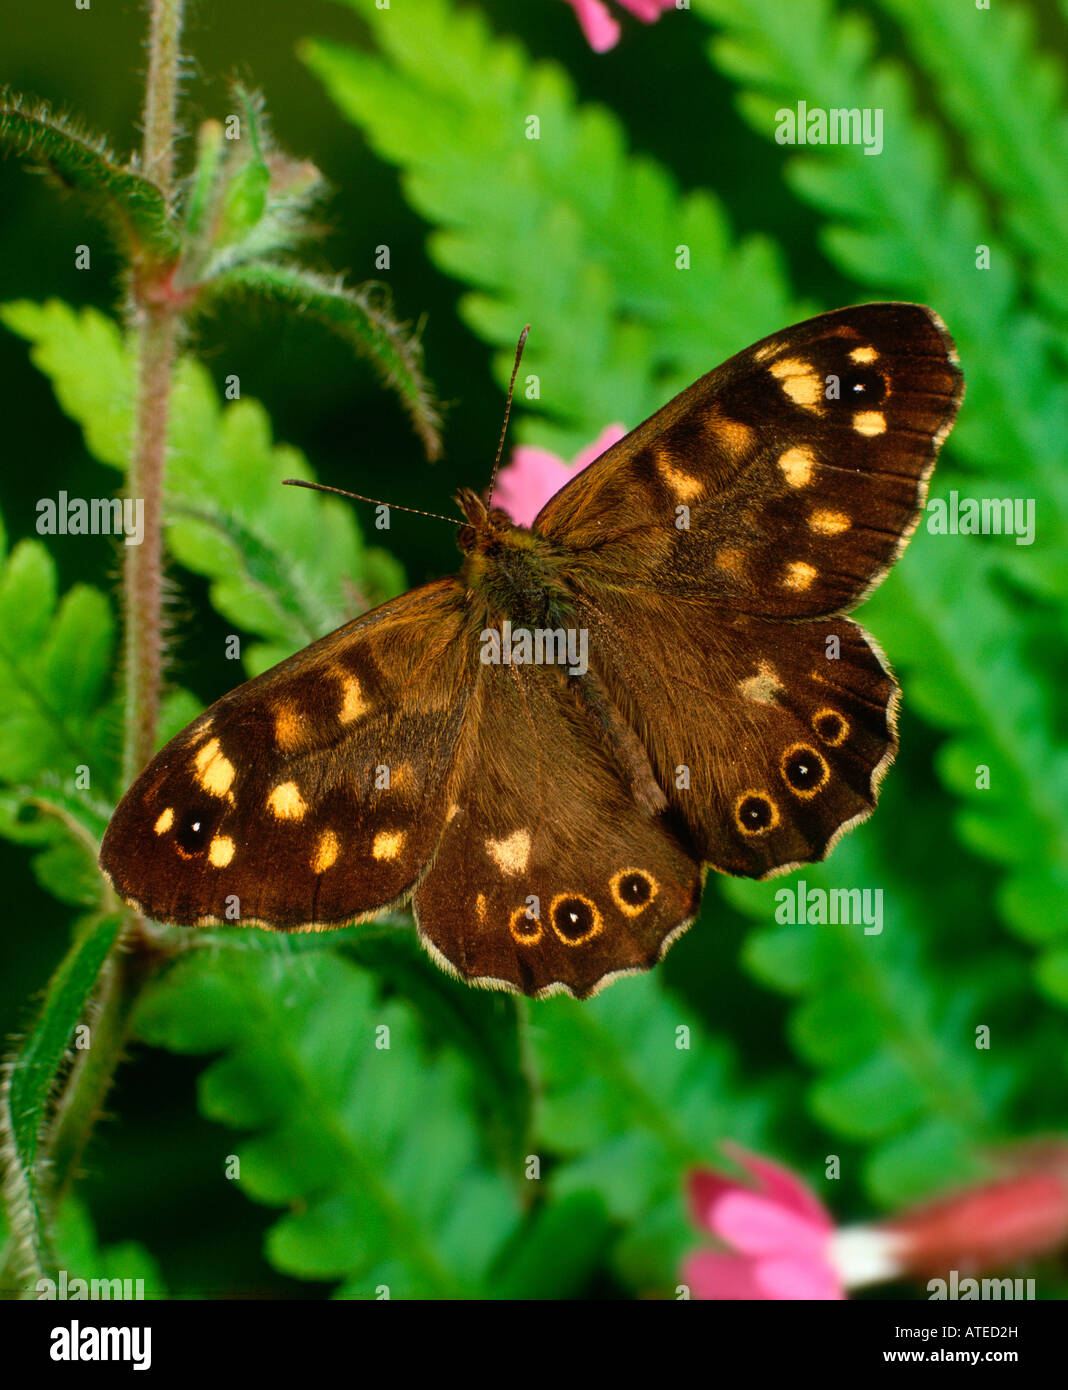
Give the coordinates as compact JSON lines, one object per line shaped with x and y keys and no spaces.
{"x":982,"y":516}
{"x":93,"y":516}
{"x":850,"y":907}
{"x":841,"y":125}
{"x":542,"y":646}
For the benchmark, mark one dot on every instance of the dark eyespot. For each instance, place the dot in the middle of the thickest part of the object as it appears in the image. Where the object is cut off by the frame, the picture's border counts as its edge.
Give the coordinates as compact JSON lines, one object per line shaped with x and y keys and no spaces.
{"x":635,"y":889}
{"x":862,"y":387}
{"x":755,"y":814}
{"x":194,"y":829}
{"x":804,"y":769}
{"x":524,"y":927}
{"x":632,"y":890}
{"x":574,"y":918}
{"x":830,"y":727}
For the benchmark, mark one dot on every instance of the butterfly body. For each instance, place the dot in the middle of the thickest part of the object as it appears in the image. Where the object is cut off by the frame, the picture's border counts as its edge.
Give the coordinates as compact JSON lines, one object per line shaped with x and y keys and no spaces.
{"x":512,"y":571}
{"x":547,"y":751}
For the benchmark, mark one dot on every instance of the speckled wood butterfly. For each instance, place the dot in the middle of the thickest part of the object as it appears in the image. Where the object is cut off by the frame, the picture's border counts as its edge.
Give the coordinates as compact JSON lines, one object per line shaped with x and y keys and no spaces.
{"x":551,"y":818}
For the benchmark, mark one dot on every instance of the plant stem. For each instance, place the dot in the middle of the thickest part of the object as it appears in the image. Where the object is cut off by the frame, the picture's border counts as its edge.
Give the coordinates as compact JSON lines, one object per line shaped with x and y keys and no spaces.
{"x":161,"y":93}
{"x":156,"y":327}
{"x":156,"y":336}
{"x":121,"y":981}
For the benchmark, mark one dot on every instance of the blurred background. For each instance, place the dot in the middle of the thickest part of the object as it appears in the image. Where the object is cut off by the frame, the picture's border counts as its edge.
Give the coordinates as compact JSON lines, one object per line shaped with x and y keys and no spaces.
{"x":833,"y":1043}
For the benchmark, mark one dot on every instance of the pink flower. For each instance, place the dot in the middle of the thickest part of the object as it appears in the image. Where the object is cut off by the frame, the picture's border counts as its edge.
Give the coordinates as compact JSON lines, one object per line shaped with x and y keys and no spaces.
{"x":782,"y":1241}
{"x":779,"y":1231}
{"x":601,"y":30}
{"x":534,"y":475}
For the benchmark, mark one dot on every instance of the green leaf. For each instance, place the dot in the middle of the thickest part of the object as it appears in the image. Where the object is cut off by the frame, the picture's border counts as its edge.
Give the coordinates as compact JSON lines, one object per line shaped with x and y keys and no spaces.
{"x":58,"y":721}
{"x":32,"y":1080}
{"x":363,"y":317}
{"x":445,"y":102}
{"x":1007,"y":99}
{"x":81,"y":1255}
{"x":634,"y":1095}
{"x":44,"y":139}
{"x":372,"y":1148}
{"x":286,"y":565}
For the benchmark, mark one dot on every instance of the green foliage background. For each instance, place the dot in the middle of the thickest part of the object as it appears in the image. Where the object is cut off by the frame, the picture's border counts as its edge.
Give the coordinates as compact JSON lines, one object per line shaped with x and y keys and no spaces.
{"x":410,"y":1167}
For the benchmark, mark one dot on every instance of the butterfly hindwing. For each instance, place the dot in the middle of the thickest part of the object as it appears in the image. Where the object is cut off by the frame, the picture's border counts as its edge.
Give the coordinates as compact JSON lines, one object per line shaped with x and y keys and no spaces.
{"x":312,"y":795}
{"x":784,"y":483}
{"x":770,"y":737}
{"x":548,"y":876}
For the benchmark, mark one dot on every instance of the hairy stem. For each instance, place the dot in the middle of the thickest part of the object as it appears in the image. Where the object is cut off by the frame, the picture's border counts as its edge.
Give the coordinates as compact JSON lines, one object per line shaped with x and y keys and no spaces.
{"x":156,"y":336}
{"x":155,"y":322}
{"x":121,"y":981}
{"x":161,"y":92}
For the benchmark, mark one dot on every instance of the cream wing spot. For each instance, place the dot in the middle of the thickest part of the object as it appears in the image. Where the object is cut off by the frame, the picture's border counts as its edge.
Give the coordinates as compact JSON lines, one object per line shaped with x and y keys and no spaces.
{"x":869,"y":423}
{"x":164,"y":821}
{"x":829,"y":523}
{"x":796,"y":465}
{"x":215,"y":771}
{"x":388,"y":844}
{"x":799,"y":382}
{"x":511,"y":855}
{"x":799,"y":576}
{"x":287,"y":727}
{"x":864,"y":355}
{"x":353,"y":704}
{"x":685,"y":488}
{"x":221,"y":851}
{"x":764,"y":686}
{"x":326,"y":852}
{"x":286,"y":802}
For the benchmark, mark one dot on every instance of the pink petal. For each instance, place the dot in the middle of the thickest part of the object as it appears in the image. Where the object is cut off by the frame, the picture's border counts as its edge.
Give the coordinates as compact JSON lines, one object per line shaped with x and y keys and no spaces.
{"x":601,"y":30}
{"x":648,"y":11}
{"x":722,"y":1276}
{"x":797,"y":1278}
{"x":534,"y":475}
{"x":611,"y":434}
{"x":705,"y":1188}
{"x":526,"y":484}
{"x":782,"y":1186}
{"x":755,"y":1225}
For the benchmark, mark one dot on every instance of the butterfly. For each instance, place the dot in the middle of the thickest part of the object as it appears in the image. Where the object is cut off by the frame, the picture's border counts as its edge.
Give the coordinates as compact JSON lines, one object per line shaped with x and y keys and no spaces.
{"x":546,"y":752}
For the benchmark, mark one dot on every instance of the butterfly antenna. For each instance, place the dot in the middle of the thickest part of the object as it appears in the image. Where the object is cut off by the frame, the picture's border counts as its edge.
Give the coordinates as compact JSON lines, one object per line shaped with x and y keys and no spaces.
{"x":358,"y":497}
{"x":507,"y":411}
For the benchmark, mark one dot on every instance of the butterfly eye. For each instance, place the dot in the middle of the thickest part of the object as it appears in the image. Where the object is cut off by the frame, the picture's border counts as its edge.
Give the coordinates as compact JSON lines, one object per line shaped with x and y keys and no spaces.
{"x":863,"y":386}
{"x":755,"y":813}
{"x":574,"y":919}
{"x":193,"y":830}
{"x":632,"y":890}
{"x":804,"y":769}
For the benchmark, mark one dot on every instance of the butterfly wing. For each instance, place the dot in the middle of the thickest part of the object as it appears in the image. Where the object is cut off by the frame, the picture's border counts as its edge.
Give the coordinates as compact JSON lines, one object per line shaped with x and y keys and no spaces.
{"x":784,"y":483}
{"x":770,"y":737}
{"x":549,"y":876}
{"x":314,"y":794}
{"x":779,"y":488}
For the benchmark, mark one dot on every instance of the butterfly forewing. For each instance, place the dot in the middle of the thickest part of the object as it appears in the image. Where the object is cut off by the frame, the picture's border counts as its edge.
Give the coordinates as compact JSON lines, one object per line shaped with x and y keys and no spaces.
{"x":784,"y":483}
{"x":314,"y":794}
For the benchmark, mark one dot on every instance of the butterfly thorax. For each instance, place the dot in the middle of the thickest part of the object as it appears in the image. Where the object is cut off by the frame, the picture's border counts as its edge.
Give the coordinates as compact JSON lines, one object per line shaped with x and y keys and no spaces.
{"x":513,"y":570}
